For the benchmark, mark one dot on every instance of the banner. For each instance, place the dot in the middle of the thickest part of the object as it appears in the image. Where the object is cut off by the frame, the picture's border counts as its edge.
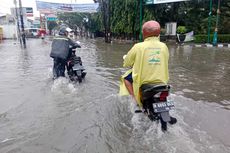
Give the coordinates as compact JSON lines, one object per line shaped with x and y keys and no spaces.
{"x":66,"y":7}
{"x":185,"y":37}
{"x":189,"y":36}
{"x":162,"y":1}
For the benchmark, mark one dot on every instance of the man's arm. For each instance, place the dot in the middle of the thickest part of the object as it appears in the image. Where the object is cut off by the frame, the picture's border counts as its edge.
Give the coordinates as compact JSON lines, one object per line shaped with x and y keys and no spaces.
{"x":130,"y":57}
{"x":73,"y":44}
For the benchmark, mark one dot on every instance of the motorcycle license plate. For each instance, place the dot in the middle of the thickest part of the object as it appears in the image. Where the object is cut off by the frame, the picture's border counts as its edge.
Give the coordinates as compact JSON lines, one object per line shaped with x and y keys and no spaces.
{"x":77,"y":67}
{"x":163,"y":106}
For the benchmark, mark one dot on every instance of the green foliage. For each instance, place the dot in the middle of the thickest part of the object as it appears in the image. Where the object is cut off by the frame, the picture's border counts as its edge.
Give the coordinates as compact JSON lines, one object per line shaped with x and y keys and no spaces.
{"x":224,"y":17}
{"x":51,"y":25}
{"x":124,"y":16}
{"x":193,"y":14}
{"x":181,"y":30}
{"x":222,"y":38}
{"x":95,"y":22}
{"x":73,"y":20}
{"x":202,"y":38}
{"x":91,"y":22}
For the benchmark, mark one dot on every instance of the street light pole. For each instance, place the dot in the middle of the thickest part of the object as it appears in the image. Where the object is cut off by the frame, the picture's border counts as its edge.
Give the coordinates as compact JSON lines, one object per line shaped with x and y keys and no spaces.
{"x":217,"y":22}
{"x":209,"y":20}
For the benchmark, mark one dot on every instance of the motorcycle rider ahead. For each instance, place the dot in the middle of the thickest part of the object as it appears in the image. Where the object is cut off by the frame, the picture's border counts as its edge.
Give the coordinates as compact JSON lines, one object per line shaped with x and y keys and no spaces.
{"x":148,"y":60}
{"x":61,"y":51}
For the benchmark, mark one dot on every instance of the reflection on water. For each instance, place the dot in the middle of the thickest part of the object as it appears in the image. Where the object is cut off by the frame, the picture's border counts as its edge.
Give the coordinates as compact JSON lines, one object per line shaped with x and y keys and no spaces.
{"x":201,"y":73}
{"x":38,"y":114}
{"x":198,"y":73}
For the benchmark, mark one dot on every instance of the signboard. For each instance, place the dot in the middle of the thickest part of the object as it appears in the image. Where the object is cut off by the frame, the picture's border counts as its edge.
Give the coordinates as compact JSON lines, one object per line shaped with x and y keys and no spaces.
{"x":66,"y":7}
{"x":189,"y":36}
{"x":162,"y":1}
{"x":29,"y":11}
{"x":36,"y":22}
{"x":46,"y":11}
{"x":51,"y":18}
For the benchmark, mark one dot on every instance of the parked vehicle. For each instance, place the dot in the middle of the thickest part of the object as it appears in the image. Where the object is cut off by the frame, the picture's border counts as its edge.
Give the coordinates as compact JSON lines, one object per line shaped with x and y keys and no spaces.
{"x":34,"y":32}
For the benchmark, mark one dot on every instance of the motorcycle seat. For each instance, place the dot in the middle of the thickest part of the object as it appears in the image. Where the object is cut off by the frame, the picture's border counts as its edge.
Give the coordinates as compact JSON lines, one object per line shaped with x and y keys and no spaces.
{"x":152,"y":89}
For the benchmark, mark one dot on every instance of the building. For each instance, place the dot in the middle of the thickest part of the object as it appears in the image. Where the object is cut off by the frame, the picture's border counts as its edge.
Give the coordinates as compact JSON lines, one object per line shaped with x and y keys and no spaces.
{"x":7,"y":24}
{"x":36,"y":22}
{"x":26,"y":12}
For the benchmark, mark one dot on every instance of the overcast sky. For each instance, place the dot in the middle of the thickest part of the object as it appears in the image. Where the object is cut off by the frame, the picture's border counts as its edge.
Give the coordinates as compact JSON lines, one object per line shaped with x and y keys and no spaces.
{"x":5,"y":5}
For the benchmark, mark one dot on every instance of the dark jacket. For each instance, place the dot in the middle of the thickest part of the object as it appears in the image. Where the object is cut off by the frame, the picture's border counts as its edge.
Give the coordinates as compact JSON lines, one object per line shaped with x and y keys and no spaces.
{"x":60,"y":47}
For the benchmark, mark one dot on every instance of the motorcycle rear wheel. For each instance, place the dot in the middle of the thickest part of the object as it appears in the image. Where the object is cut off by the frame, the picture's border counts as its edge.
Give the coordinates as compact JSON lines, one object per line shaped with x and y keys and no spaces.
{"x":79,"y":75}
{"x":164,"y":126}
{"x":79,"y":79}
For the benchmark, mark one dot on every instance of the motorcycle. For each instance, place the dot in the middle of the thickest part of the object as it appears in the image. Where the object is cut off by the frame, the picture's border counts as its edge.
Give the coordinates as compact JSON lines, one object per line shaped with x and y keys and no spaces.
{"x":154,"y":100}
{"x":75,"y":69}
{"x":156,"y":104}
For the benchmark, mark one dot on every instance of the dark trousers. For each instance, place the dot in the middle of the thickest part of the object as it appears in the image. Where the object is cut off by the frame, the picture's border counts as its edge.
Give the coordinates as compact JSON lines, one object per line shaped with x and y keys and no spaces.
{"x":59,"y":67}
{"x":129,"y":78}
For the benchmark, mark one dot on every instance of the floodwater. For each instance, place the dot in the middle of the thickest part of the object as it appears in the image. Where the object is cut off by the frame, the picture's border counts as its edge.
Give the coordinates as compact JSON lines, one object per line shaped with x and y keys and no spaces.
{"x":39,"y":115}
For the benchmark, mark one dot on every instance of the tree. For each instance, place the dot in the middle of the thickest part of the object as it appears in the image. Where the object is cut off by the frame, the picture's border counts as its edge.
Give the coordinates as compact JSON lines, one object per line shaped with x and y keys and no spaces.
{"x":51,"y":25}
{"x":120,"y":18}
{"x":224,"y":17}
{"x":104,"y":7}
{"x":74,"y":20}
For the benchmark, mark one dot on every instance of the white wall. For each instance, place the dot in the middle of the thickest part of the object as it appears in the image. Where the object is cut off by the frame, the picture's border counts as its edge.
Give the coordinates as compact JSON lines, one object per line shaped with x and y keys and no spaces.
{"x":171,"y":28}
{"x":9,"y":31}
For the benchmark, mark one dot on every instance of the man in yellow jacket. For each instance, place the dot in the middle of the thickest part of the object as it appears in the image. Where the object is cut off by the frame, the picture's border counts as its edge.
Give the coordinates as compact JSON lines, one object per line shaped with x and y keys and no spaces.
{"x":148,"y":60}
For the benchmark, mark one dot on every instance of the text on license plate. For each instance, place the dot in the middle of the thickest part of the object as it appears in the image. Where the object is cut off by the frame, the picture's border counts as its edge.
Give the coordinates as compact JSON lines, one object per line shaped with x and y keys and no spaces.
{"x":163,"y":106}
{"x":77,"y":67}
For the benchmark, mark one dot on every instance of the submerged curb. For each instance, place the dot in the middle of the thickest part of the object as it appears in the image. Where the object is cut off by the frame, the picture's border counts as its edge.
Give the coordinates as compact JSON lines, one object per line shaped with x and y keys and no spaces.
{"x":211,"y":45}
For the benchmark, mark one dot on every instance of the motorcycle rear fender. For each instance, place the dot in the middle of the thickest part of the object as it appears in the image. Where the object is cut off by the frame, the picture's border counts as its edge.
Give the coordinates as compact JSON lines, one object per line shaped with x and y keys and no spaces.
{"x":148,"y":91}
{"x":165,"y":116}
{"x":79,"y":67}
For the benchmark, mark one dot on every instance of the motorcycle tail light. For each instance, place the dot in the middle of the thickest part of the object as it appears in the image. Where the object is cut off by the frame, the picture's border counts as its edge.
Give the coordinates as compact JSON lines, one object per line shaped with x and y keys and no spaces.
{"x":164,"y":95}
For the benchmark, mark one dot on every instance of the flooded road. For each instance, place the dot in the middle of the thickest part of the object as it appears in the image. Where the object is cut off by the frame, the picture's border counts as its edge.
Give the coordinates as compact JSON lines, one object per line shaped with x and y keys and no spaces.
{"x":39,"y":115}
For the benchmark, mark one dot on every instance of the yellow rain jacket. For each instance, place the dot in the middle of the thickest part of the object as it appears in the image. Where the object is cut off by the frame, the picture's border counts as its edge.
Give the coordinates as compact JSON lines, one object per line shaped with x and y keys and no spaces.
{"x":149,"y":62}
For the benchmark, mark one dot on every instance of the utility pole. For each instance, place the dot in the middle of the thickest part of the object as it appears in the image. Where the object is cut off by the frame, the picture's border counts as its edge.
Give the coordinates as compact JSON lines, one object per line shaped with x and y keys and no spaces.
{"x":22,"y":25}
{"x":209,"y":20}
{"x":217,"y":22}
{"x":18,"y":28}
